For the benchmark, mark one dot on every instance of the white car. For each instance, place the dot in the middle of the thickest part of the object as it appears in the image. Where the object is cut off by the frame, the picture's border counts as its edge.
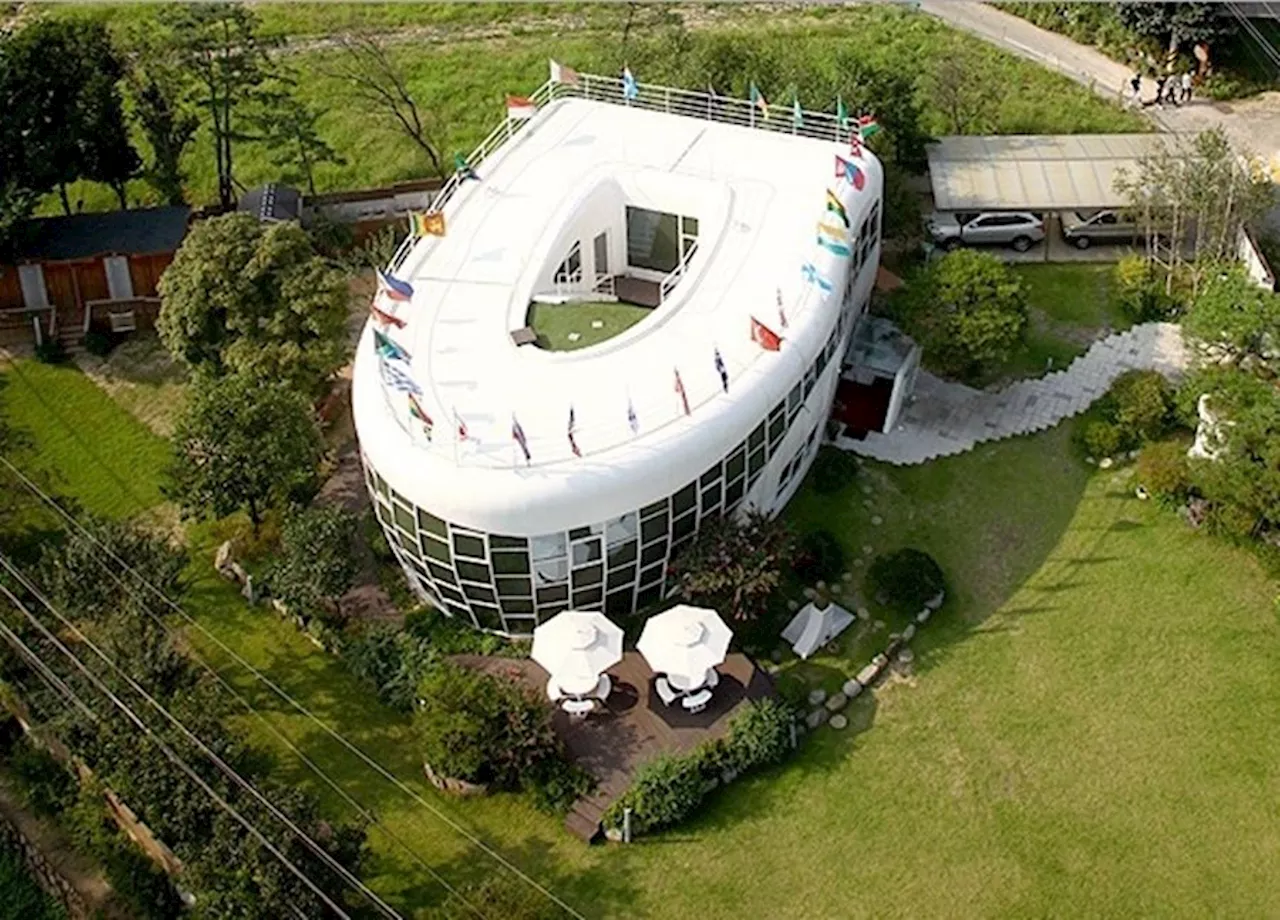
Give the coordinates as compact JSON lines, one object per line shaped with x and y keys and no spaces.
{"x":1019,"y":229}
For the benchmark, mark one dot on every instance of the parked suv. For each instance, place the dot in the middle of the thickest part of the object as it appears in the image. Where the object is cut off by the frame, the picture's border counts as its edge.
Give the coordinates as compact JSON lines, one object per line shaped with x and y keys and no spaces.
{"x":1019,"y":229}
{"x":1084,"y":228}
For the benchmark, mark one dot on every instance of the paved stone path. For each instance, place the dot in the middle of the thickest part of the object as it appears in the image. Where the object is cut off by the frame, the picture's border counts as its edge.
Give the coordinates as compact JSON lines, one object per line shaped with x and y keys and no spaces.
{"x":947,"y":418}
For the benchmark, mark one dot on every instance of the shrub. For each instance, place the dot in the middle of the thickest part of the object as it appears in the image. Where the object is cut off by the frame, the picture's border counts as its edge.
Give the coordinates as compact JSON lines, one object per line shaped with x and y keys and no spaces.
{"x":1098,"y":438}
{"x":99,"y":343}
{"x":760,"y":735}
{"x":1139,"y":292}
{"x":554,"y":784}
{"x":500,"y":895}
{"x":663,"y":792}
{"x":317,"y":563}
{"x":820,"y":557}
{"x":833,"y":469}
{"x":46,"y":785}
{"x":905,"y":579}
{"x":51,"y":351}
{"x":1141,"y":403}
{"x":735,"y":566}
{"x":1164,"y":471}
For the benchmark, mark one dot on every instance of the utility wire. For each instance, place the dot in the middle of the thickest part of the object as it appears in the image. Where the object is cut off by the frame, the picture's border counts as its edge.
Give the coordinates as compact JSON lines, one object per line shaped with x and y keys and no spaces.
{"x":44,"y":672}
{"x":169,"y":752}
{"x":284,"y":695}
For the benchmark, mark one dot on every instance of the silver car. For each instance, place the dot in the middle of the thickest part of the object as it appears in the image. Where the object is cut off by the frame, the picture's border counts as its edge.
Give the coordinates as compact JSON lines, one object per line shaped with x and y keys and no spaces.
{"x":1019,"y":229}
{"x":1084,"y":228}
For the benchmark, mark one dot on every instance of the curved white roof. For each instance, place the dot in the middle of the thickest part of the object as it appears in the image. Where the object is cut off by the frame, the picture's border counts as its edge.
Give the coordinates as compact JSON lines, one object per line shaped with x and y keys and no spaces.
{"x":758,"y":197}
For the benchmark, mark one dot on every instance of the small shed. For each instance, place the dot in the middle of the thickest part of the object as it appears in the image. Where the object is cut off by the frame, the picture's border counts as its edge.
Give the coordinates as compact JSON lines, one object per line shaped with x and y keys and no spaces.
{"x":68,"y":272}
{"x":813,"y":627}
{"x":272,"y":203}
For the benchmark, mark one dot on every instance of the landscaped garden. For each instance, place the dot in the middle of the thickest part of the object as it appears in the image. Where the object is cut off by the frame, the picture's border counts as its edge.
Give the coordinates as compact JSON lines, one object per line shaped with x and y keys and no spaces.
{"x":570,"y":326}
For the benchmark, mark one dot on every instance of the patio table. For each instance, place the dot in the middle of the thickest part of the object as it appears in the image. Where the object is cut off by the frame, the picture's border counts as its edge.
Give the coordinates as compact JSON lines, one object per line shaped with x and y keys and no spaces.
{"x":577,"y":684}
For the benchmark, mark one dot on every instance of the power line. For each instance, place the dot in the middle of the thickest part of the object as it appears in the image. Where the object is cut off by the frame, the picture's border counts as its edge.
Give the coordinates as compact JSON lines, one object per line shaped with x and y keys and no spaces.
{"x":284,"y":695}
{"x":44,"y":672}
{"x":170,"y":753}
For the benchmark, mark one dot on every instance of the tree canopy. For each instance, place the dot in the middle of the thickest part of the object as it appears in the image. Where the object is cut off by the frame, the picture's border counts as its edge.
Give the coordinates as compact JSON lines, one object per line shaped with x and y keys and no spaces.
{"x":1235,"y":318}
{"x":1175,"y":24}
{"x":252,"y":298}
{"x":735,"y":566}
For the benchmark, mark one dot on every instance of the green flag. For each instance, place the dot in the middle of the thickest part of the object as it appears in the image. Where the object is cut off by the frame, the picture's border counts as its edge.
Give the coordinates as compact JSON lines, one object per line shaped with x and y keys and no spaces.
{"x":758,"y":100}
{"x":797,"y":117}
{"x":842,"y":114}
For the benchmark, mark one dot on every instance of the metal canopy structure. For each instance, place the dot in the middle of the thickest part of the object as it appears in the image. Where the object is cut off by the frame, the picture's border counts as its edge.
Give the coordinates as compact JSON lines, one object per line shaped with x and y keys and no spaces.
{"x":1034,"y":172}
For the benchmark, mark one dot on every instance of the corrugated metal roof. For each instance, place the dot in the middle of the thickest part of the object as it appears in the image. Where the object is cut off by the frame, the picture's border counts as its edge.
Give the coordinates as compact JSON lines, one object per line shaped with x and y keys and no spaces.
{"x":1034,"y":172}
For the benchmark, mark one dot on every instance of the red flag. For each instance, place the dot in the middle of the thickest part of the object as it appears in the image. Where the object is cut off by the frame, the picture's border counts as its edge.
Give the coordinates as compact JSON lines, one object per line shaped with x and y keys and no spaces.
{"x":855,"y":144}
{"x":518,"y":434}
{"x":684,"y":399}
{"x":763,"y":336}
{"x":384,"y":319}
{"x":462,"y":426}
{"x":782,"y":314}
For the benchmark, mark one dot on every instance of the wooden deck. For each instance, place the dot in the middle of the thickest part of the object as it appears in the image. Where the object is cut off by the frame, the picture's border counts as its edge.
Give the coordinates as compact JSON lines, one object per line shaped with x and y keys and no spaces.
{"x":635,"y":726}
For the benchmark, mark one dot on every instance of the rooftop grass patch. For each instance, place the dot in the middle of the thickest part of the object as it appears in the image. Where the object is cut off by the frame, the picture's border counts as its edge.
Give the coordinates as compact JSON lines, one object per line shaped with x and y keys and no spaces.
{"x":571,"y":326}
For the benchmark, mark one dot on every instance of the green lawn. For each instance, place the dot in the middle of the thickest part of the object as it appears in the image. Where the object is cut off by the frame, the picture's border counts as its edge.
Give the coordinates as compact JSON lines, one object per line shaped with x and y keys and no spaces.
{"x":555,"y":323}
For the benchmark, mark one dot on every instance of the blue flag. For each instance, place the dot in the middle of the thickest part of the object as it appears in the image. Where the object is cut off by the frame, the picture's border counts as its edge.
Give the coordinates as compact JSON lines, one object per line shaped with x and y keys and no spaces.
{"x":630,"y":89}
{"x":388,"y":349}
{"x":813,"y":277}
{"x":398,"y":379}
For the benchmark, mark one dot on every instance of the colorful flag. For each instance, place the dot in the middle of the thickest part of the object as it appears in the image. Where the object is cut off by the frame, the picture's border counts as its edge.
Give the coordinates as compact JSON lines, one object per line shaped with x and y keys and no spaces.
{"x":831,"y":239}
{"x":867,"y":126}
{"x":463,"y":168}
{"x":797,"y":114}
{"x":388,"y":349}
{"x":813,"y":277}
{"x":684,"y":398}
{"x":722,"y":371}
{"x":561,"y":73}
{"x":384,"y":319}
{"x":518,"y":433}
{"x":394,"y":376}
{"x":758,"y":100}
{"x":521,"y":108}
{"x":782,"y":314}
{"x":765,"y":337}
{"x":416,"y":410}
{"x":855,"y":145}
{"x":463,"y":435}
{"x":631,"y":417}
{"x":630,"y":89}
{"x":842,"y":115}
{"x":429,"y":223}
{"x":846,"y":169}
{"x":394,"y":288}
{"x":836,"y":207}
{"x":573,"y":441}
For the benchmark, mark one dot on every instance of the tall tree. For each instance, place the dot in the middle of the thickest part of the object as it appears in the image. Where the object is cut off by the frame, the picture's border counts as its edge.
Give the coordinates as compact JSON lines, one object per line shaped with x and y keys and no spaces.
{"x":1175,"y":24}
{"x":228,"y":61}
{"x":106,"y":153}
{"x":962,"y":90}
{"x":288,"y":127}
{"x":372,"y":76}
{"x":157,"y":89}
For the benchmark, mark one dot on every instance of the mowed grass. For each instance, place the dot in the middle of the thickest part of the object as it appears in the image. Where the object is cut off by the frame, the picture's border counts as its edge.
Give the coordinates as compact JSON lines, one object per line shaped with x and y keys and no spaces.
{"x":556,"y":323}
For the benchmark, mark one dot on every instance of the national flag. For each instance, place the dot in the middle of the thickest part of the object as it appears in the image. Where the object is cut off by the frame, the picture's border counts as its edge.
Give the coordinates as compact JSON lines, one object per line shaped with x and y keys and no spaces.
{"x":849,"y":171}
{"x":384,"y":319}
{"x":396,"y":377}
{"x":813,"y":277}
{"x":630,"y":89}
{"x":428,"y":223}
{"x":855,"y":145}
{"x":684,"y":398}
{"x":782,"y":314}
{"x":842,"y":115}
{"x":388,"y":349}
{"x":562,"y":73}
{"x":463,"y":168}
{"x":394,"y":288}
{"x":797,"y":114}
{"x":573,"y":441}
{"x":518,"y":433}
{"x":722,"y":371}
{"x":836,"y":207}
{"x":521,"y":108}
{"x":416,"y":411}
{"x":463,"y":435}
{"x":765,"y":337}
{"x":832,"y":239}
{"x":867,"y":126}
{"x":758,"y":100}
{"x":631,"y":417}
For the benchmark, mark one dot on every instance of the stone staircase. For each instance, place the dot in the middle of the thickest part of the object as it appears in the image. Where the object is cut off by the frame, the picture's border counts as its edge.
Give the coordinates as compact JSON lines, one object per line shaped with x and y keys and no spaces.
{"x":583,"y":820}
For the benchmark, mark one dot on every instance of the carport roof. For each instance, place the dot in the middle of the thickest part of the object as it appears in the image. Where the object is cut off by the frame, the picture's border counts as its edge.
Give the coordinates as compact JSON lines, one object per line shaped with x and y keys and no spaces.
{"x":1034,"y":172}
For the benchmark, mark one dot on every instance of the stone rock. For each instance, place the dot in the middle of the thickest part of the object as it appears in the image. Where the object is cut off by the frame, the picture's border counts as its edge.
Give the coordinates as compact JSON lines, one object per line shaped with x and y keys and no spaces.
{"x":878,"y":624}
{"x":867,"y":503}
{"x":810,"y":593}
{"x":935,"y":602}
{"x":1105,"y":463}
{"x":222,"y":559}
{"x":838,"y":721}
{"x":776,"y":656}
{"x":821,"y":586}
{"x":238,"y":573}
{"x":851,"y":688}
{"x":793,"y":605}
{"x":866,"y":489}
{"x":868,"y":675}
{"x":882,"y":598}
{"x":816,"y":718}
{"x":1142,"y":493}
{"x":847,"y":576}
{"x":574,"y":336}
{"x":248,"y":591}
{"x":858,"y":563}
{"x":906,"y":656}
{"x":877,"y":520}
{"x":867,"y":550}
{"x":1133,"y":454}
{"x":817,"y":696}
{"x":864,"y":613}
{"x":613,"y":834}
{"x":837,"y":701}
{"x":597,"y":324}
{"x":1090,"y":461}
{"x":880,"y":660}
{"x":923,"y":616}
{"x":909,"y":633}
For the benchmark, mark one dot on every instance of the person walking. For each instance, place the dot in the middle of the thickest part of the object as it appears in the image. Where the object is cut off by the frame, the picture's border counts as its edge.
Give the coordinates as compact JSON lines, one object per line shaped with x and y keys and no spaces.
{"x":1135,"y":89}
{"x":1187,"y":86}
{"x":1161,"y":80}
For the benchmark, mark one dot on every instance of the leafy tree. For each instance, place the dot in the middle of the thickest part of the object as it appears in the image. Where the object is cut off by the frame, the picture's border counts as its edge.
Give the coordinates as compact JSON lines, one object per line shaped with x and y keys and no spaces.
{"x":288,"y":127}
{"x":905,"y":579}
{"x":316,"y":563}
{"x":241,"y":444}
{"x":961,"y":89}
{"x":967,"y":310}
{"x":255,"y":299}
{"x":106,"y":153}
{"x":1176,"y":24}
{"x":1234,"y":318}
{"x":735,"y":566}
{"x":157,"y":87}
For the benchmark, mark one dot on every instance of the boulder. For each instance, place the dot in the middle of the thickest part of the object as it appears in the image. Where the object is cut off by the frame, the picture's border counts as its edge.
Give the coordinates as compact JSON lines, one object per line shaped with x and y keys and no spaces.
{"x":451,"y":785}
{"x":880,"y":660}
{"x":222,"y":559}
{"x":868,"y":674}
{"x":837,"y":701}
{"x":838,"y":722}
{"x":817,"y":696}
{"x":923,"y":616}
{"x":613,"y":834}
{"x":935,"y":602}
{"x":909,"y":633}
{"x":851,"y":688}
{"x":906,"y":656}
{"x":816,"y":718}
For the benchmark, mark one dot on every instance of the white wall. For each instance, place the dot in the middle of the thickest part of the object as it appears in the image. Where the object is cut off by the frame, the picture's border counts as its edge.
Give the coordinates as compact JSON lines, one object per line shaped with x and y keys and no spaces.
{"x":1255,"y":263}
{"x":601,"y":209}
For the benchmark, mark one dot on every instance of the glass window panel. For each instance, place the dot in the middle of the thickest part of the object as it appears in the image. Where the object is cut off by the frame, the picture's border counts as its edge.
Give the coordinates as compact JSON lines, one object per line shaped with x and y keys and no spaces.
{"x":755,"y":463}
{"x":656,"y":552}
{"x":658,"y":507}
{"x":450,"y":594}
{"x":514,"y":587}
{"x":517,"y":605}
{"x":733,"y":493}
{"x":550,"y":571}
{"x":619,"y":603}
{"x":404,"y":518}
{"x":794,"y":401}
{"x":384,"y":514}
{"x":381,"y":485}
{"x":549,"y":546}
{"x":441,"y":572}
{"x":435,"y":549}
{"x":647,"y":597}
{"x":591,"y":575}
{"x":689,"y":226}
{"x":651,"y":239}
{"x":685,"y":526}
{"x":579,"y":532}
{"x":777,"y":428}
{"x":652,"y":575}
{"x":684,"y":500}
{"x":497,"y":541}
{"x":488,"y":617}
{"x":465,"y":544}
{"x":654,"y":528}
{"x":621,"y":577}
{"x":621,"y":555}
{"x":510,"y":563}
{"x":472,"y":571}
{"x":461,"y":612}
{"x":678,"y":547}
{"x":588,"y":598}
{"x":546,"y":613}
{"x":419,"y":567}
{"x":620,"y":529}
{"x":757,"y":437}
{"x":710,"y":476}
{"x":586,"y":551}
{"x":479,"y":593}
{"x":710,"y":497}
{"x":407,"y":543}
{"x":432,"y":524}
{"x":557,"y":594}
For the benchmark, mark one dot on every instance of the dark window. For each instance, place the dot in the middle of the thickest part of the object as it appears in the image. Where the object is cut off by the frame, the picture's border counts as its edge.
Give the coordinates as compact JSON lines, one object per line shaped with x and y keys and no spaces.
{"x":450,"y":594}
{"x":648,"y":597}
{"x":384,"y":514}
{"x":579,"y":532}
{"x":684,"y":500}
{"x":737,"y":464}
{"x":658,"y":507}
{"x":432,"y":524}
{"x":557,"y":594}
{"x":655,"y":553}
{"x":810,"y":378}
{"x":461,"y":612}
{"x":517,"y":605}
{"x":514,"y":587}
{"x":509,"y":563}
{"x":591,"y":575}
{"x":404,"y":518}
{"x":381,"y":485}
{"x":488,"y":617}
{"x":755,"y":462}
{"x":467,"y":545}
{"x":710,"y":476}
{"x":496,"y":541}
{"x":652,"y":575}
{"x":652,"y":240}
{"x":777,"y":428}
{"x":711,"y":498}
{"x":472,"y":571}
{"x":588,"y":598}
{"x":546,"y":613}
{"x":689,"y":226}
{"x":757,"y":437}
{"x":435,"y":549}
{"x":586,"y":551}
{"x":621,"y":577}
{"x":621,"y":555}
{"x":408,"y":544}
{"x":618,"y":603}
{"x":479,"y":593}
{"x":418,"y":567}
{"x":794,"y":400}
{"x":733,"y":494}
{"x":440,"y":572}
{"x":654,"y":528}
{"x":685,"y":526}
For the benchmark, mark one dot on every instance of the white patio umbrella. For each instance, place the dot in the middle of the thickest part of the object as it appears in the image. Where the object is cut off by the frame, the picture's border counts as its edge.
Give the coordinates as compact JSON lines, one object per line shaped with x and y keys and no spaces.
{"x":577,"y":644}
{"x":686,"y":641}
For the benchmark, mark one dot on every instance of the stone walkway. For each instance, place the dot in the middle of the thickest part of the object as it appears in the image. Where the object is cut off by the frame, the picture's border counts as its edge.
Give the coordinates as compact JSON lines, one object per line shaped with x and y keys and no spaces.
{"x":947,"y":418}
